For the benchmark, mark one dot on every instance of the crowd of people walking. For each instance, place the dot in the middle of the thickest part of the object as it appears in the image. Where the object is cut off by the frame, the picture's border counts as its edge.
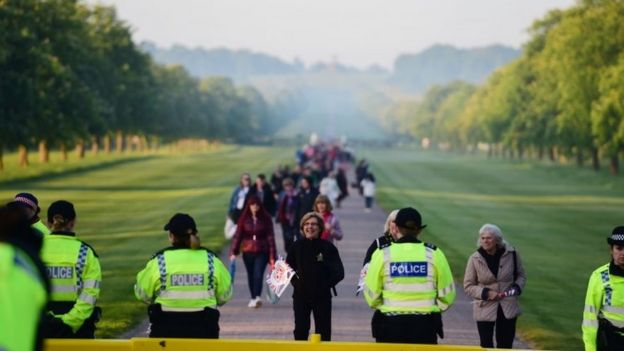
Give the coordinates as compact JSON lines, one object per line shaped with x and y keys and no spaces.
{"x":55,"y":277}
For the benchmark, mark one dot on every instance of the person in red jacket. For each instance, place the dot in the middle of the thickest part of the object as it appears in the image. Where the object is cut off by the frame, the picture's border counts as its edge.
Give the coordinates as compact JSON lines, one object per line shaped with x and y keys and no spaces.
{"x":256,"y":240}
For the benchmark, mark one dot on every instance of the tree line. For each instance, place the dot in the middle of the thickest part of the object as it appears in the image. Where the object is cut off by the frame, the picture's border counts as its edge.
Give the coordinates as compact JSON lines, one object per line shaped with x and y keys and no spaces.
{"x":563,"y":97}
{"x":71,"y":76}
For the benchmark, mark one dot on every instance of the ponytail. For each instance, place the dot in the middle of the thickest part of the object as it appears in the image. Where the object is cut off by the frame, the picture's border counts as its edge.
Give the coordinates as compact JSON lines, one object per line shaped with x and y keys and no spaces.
{"x":194,"y":241}
{"x":187,"y":240}
{"x":59,"y":223}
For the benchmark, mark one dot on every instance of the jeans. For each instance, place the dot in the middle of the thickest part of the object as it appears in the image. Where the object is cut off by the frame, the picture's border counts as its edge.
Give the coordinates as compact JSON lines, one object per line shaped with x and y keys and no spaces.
{"x":368,"y":200}
{"x":255,"y":263}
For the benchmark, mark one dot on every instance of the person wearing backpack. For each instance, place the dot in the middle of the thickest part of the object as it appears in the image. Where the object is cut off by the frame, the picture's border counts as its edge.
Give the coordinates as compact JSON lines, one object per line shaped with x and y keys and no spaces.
{"x":495,"y":278}
{"x":318,"y":269}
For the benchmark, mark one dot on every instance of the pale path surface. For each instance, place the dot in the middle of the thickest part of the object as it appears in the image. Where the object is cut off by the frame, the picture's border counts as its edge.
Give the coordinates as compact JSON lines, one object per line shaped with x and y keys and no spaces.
{"x":350,"y":315}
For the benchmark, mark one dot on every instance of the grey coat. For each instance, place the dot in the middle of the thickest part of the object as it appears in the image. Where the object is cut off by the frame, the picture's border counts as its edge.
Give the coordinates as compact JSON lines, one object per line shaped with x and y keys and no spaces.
{"x":478,"y":276}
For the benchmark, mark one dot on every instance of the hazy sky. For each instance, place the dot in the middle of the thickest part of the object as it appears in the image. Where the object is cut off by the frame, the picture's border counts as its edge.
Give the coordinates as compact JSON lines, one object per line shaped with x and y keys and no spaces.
{"x":356,"y":32}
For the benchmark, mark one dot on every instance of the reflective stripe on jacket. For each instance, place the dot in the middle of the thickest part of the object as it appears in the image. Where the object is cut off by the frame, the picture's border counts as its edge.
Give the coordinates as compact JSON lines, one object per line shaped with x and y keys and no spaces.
{"x":184,"y":280}
{"x":75,"y":275}
{"x":604,"y":299}
{"x":409,"y":277}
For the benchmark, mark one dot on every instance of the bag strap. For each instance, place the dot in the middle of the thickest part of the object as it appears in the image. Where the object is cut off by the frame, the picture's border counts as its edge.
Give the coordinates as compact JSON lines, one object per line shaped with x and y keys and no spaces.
{"x":515,"y":260}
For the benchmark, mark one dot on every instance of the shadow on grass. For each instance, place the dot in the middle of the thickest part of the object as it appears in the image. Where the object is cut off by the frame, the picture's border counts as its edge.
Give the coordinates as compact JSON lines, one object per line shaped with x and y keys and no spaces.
{"x":49,"y":175}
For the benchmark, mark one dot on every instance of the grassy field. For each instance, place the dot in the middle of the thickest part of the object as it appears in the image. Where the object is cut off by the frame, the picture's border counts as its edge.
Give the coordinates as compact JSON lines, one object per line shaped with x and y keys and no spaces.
{"x":556,"y":216}
{"x":123,"y":202}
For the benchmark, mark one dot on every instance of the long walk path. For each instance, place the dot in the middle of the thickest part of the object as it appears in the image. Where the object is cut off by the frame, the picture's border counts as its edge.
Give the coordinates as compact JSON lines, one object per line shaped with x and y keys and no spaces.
{"x":350,"y":315}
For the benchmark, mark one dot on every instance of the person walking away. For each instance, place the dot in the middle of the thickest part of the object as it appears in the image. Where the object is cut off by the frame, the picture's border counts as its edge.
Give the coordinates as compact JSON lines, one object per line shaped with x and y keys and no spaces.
{"x":287,"y":214}
{"x":306,"y":196}
{"x":75,"y":275}
{"x":30,"y":207}
{"x":368,"y":190}
{"x":263,"y":191}
{"x":318,"y":269}
{"x":410,"y":283}
{"x":343,"y":185}
{"x":603,"y":315}
{"x":24,"y":285}
{"x":183,"y":285}
{"x":329,"y":188}
{"x":256,"y":240}
{"x":361,"y":169}
{"x":238,"y":200}
{"x":494,"y":279}
{"x":332,"y":230}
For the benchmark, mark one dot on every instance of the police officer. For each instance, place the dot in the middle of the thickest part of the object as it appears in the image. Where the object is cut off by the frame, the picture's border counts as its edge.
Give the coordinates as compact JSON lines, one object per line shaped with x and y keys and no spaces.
{"x":74,"y":271}
{"x":410,"y":283}
{"x":23,"y":283}
{"x":603,"y":316}
{"x":183,"y":284}
{"x":30,"y":207}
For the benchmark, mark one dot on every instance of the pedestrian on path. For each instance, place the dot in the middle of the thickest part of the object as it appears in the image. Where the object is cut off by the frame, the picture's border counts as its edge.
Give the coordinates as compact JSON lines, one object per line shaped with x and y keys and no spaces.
{"x":256,"y":240}
{"x":75,"y":275}
{"x":287,"y":214}
{"x":495,"y":278}
{"x":368,"y":190}
{"x":318,"y":269}
{"x":410,"y":283}
{"x":238,"y":200}
{"x":603,"y":315}
{"x":183,"y":285}
{"x":332,"y":230}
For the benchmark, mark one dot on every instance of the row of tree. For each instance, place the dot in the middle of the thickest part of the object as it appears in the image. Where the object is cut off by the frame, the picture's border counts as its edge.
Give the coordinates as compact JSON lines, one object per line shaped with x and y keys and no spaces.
{"x":71,"y":75}
{"x":563,"y":96}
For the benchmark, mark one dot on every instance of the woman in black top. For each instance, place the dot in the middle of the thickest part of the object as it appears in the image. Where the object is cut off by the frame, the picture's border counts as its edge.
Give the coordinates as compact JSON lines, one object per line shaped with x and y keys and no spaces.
{"x":318,"y":269}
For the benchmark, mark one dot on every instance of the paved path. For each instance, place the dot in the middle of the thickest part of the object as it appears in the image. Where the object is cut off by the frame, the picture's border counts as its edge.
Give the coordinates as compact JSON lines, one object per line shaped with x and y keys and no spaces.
{"x":351,"y":316}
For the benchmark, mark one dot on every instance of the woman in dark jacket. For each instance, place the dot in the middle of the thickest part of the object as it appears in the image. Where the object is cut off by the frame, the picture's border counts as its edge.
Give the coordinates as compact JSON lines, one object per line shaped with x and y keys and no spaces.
{"x":318,"y":269}
{"x":256,"y":240}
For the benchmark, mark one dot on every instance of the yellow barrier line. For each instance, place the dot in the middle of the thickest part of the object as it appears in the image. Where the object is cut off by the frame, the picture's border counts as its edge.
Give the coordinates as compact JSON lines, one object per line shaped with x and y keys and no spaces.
{"x":164,"y":344}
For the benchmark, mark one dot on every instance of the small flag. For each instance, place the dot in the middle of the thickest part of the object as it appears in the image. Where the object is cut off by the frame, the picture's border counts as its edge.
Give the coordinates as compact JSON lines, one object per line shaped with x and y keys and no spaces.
{"x":278,"y":279}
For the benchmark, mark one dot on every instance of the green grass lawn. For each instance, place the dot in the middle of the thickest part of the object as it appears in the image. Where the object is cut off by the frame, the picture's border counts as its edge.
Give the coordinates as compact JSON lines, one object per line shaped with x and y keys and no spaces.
{"x":122,"y":204}
{"x":558,"y":217}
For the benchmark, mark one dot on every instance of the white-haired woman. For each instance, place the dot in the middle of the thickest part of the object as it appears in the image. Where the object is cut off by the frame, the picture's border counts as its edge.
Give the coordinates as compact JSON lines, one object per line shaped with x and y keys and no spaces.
{"x":495,"y":278}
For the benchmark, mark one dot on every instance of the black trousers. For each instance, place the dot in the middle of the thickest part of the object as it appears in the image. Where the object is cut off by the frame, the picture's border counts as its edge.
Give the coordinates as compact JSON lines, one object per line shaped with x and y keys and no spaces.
{"x":54,"y":328}
{"x":320,"y":309}
{"x":505,"y":331}
{"x":407,"y":329}
{"x":198,"y":325}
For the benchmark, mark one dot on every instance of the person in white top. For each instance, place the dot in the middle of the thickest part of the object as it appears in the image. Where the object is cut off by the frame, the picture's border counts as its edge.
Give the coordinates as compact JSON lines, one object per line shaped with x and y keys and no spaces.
{"x":329,"y":188}
{"x":368,"y":190}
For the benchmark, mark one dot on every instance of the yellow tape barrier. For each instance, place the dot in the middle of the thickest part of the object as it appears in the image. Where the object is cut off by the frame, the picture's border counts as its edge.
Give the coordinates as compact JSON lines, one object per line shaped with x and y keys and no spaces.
{"x":157,"y":344}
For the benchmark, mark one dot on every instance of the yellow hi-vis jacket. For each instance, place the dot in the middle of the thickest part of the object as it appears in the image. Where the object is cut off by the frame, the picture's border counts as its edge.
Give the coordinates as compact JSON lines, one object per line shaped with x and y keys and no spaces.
{"x":41,"y":228}
{"x":604,"y":299}
{"x":75,"y":275}
{"x":184,"y":280}
{"x":22,"y":297}
{"x":409,"y":277}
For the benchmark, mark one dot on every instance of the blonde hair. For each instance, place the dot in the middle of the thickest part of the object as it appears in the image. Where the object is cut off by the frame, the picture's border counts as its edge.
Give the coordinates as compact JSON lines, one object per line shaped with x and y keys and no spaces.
{"x":324,"y":199}
{"x":59,"y":223}
{"x":391,"y":218}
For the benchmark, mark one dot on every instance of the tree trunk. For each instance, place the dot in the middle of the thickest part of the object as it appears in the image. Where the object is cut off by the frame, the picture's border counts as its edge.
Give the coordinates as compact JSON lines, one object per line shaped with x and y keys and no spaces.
{"x":614,"y":164}
{"x":520,"y":152}
{"x":490,"y":152}
{"x":64,"y":152}
{"x":119,"y":139}
{"x":44,"y":152}
{"x":129,"y":143}
{"x":95,"y":146}
{"x":595,"y":159}
{"x":540,"y":153}
{"x":107,"y":144}
{"x":551,"y":154}
{"x":579,"y":158}
{"x":80,"y":148}
{"x":23,"y":156}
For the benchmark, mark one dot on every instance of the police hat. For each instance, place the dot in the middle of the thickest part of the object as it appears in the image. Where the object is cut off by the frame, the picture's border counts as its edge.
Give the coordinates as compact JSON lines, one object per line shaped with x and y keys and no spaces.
{"x":27,"y":200}
{"x":63,"y":208}
{"x":617,"y":236}
{"x":180,"y":224}
{"x":409,"y":218}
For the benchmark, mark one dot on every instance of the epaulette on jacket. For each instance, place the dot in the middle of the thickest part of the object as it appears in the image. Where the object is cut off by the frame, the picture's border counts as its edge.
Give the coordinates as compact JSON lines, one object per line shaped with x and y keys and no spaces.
{"x":431,"y":246}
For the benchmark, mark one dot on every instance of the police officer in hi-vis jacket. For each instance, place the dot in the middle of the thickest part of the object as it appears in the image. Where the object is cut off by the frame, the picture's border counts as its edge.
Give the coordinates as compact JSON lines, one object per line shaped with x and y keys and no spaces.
{"x":75,"y":275}
{"x":410,"y":283}
{"x":603,"y":316}
{"x":183,"y":285}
